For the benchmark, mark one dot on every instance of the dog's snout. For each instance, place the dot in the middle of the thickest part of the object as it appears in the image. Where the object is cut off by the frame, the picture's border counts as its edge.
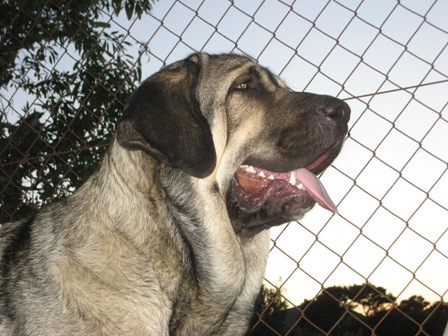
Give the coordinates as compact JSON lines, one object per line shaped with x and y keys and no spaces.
{"x":336,"y":109}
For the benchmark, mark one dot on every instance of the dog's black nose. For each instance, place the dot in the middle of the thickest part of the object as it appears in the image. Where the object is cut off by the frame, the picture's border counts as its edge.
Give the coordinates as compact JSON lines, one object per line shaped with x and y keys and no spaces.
{"x":336,"y":109}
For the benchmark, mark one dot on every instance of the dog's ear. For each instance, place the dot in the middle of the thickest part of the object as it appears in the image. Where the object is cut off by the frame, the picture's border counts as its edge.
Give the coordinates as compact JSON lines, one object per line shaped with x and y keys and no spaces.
{"x":164,"y":119}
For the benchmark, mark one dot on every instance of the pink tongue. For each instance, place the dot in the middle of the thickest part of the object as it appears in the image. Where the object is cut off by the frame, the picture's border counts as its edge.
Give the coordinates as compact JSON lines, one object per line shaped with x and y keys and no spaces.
{"x":315,"y":188}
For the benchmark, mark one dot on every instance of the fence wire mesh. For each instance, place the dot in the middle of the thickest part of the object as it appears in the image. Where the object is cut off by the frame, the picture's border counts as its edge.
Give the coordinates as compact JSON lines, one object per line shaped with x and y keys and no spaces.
{"x":383,"y":261}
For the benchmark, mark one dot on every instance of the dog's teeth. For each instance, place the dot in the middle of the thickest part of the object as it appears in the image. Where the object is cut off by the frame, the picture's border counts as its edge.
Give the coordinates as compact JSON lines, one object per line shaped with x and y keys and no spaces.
{"x":271,"y":177}
{"x":244,"y":166}
{"x":300,"y":186}
{"x":261,"y":174}
{"x":250,"y":169}
{"x":292,"y":179}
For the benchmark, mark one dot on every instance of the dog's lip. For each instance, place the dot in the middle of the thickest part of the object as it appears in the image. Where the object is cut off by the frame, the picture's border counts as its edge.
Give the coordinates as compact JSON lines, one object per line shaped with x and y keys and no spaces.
{"x":320,"y":163}
{"x":324,"y":160}
{"x":254,"y":183}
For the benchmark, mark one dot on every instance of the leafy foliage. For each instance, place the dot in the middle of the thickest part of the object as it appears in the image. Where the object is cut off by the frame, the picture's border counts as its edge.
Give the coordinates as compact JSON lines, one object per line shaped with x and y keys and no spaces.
{"x":33,"y":24}
{"x":63,"y":133}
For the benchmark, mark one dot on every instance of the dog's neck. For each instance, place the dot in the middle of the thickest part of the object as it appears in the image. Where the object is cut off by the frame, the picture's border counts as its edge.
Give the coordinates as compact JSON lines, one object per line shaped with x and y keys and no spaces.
{"x":133,"y":169}
{"x":135,"y":182}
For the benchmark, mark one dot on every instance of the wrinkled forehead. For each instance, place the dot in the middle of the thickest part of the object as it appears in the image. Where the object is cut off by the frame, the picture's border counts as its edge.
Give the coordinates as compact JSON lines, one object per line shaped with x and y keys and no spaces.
{"x":219,"y":74}
{"x":223,"y":70}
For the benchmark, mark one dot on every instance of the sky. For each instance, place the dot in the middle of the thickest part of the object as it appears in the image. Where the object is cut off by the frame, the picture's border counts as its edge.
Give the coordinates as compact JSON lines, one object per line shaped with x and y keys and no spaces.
{"x":389,"y":60}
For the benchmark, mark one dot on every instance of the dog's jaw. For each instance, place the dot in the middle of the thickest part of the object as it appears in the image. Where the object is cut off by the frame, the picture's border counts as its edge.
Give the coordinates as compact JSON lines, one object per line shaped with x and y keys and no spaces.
{"x":258,"y":198}
{"x":254,"y":186}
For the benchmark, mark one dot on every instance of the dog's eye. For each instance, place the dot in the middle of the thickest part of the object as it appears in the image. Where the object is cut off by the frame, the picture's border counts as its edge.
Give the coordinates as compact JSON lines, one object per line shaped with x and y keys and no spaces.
{"x":242,"y":86}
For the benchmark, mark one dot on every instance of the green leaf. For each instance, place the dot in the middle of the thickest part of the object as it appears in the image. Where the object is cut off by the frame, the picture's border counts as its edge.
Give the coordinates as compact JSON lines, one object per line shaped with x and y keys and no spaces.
{"x":129,"y":7}
{"x":99,"y":24}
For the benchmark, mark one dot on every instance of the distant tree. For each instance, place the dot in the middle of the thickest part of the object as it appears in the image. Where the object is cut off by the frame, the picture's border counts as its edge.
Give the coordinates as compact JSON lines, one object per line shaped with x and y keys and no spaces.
{"x":357,"y":310}
{"x":395,"y":322}
{"x":324,"y":311}
{"x":64,"y":131}
{"x":436,"y":318}
{"x":332,"y":312}
{"x":411,"y":316}
{"x":269,"y":307}
{"x":415,"y":304}
{"x":336,"y":310}
{"x":372,"y":299}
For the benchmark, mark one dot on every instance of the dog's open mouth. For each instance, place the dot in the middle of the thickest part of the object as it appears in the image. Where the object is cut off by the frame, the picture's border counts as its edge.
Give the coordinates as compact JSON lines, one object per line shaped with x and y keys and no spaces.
{"x":259,"y":198}
{"x":255,"y":187}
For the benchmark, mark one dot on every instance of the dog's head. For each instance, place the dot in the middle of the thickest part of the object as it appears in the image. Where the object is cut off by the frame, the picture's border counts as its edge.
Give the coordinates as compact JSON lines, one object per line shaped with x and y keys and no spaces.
{"x":227,"y":119}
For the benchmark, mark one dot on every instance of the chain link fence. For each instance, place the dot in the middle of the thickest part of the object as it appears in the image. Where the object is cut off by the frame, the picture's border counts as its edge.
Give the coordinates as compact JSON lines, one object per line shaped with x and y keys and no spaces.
{"x":382,"y":264}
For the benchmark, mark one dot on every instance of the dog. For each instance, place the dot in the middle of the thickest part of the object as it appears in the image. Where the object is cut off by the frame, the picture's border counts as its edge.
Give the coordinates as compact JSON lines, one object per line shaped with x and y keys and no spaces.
{"x":170,"y":235}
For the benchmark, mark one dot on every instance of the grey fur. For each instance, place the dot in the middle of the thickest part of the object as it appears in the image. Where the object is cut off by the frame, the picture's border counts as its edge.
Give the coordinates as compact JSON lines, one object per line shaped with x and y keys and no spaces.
{"x":153,"y":243}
